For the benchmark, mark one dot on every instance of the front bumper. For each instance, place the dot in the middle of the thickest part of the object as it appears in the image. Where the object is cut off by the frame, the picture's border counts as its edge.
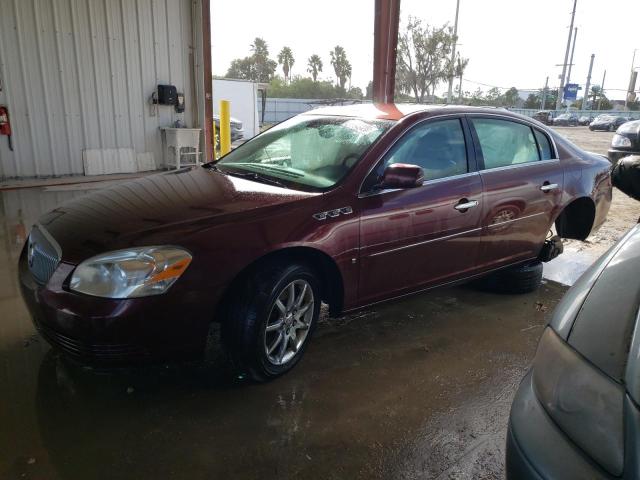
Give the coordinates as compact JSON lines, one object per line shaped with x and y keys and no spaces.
{"x":537,"y":449}
{"x":614,"y":154}
{"x":115,"y":332}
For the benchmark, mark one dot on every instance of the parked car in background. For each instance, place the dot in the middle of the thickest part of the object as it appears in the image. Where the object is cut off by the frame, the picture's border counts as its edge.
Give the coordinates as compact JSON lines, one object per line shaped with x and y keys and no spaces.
{"x":585,"y":120}
{"x":566,"y":120}
{"x":608,"y":123}
{"x":347,"y":206}
{"x":544,"y":116}
{"x":626,"y":141}
{"x":576,"y":414}
{"x":237,"y":132}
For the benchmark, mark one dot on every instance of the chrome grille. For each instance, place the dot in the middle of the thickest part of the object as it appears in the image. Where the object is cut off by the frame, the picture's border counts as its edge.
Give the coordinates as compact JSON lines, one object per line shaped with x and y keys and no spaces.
{"x":42,"y":256}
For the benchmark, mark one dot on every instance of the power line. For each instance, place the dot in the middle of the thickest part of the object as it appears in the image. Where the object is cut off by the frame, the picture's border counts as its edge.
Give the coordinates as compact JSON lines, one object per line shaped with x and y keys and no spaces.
{"x":517,"y":88}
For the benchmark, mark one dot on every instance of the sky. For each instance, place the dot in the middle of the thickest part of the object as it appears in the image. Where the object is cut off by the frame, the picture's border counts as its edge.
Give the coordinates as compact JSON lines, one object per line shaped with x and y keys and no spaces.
{"x":508,"y":42}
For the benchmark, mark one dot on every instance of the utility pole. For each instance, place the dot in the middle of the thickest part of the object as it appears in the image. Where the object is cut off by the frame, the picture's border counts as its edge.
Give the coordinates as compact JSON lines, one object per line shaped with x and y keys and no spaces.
{"x":460,"y":84}
{"x":585,"y":98}
{"x":544,"y":93}
{"x":573,"y":49}
{"x":604,"y":76}
{"x":566,"y":58}
{"x":453,"y":51}
{"x":631,"y":87}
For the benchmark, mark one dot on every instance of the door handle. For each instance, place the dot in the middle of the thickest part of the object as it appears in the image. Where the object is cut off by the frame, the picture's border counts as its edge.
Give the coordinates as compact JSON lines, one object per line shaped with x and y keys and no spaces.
{"x":464,"y":206}
{"x":547,"y":187}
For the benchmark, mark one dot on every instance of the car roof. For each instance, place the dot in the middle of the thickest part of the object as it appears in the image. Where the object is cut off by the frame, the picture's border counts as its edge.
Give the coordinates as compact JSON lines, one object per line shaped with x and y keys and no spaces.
{"x":397,"y":111}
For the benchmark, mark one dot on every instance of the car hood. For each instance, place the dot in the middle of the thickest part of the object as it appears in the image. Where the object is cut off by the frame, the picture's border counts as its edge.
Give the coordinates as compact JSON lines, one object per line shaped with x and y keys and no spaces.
{"x":167,"y":206}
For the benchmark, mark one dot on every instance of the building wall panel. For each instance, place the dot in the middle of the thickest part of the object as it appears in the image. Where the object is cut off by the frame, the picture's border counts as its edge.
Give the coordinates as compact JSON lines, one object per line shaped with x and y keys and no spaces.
{"x":78,"y":74}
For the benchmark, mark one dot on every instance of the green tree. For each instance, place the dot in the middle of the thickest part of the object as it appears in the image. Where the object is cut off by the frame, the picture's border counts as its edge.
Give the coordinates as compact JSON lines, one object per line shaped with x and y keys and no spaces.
{"x":285,"y":58}
{"x":423,"y":60}
{"x":369,"y":91}
{"x":493,"y":97}
{"x":532,"y":101}
{"x":511,"y":97}
{"x":314,"y":66}
{"x":257,"y":67}
{"x":477,"y":98}
{"x":341,"y":65}
{"x":259,"y":47}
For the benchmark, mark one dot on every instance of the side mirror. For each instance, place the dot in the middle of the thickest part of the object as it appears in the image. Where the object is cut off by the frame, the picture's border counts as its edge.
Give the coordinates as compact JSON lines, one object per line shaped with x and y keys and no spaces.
{"x":402,"y":175}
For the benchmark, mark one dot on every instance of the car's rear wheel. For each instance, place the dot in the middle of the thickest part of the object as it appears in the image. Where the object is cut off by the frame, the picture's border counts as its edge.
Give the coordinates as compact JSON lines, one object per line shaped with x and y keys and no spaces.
{"x":271,"y":318}
{"x":524,"y":278}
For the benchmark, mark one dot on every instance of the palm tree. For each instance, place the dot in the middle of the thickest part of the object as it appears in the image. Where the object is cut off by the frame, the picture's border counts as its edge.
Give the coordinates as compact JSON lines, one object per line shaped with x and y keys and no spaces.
{"x":259,"y":48}
{"x":285,"y":58}
{"x":341,"y":66}
{"x":315,"y":66}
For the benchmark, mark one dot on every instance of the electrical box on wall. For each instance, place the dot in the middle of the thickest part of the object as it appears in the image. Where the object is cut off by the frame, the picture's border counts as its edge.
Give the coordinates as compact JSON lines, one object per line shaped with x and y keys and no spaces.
{"x":167,"y":95}
{"x":180,"y":103}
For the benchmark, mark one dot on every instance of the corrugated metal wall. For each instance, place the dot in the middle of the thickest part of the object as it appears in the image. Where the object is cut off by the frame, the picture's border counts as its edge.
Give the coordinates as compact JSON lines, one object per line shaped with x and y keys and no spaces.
{"x":78,"y":74}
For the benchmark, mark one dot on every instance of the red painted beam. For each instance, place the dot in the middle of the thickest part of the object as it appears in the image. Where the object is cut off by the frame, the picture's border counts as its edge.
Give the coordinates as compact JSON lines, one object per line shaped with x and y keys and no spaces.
{"x":208,"y":80}
{"x":385,"y":46}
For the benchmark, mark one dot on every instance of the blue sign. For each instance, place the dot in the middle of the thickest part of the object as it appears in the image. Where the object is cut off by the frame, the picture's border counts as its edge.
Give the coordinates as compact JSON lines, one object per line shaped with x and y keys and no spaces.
{"x":571,"y":91}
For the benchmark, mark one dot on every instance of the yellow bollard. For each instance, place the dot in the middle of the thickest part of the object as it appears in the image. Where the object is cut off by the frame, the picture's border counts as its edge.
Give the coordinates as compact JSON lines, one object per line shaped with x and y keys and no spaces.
{"x":225,"y":127}
{"x":215,"y":141}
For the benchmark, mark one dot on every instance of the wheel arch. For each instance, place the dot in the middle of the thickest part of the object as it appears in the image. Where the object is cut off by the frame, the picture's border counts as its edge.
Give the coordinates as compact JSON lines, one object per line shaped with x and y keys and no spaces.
{"x":325,"y":266}
{"x":576,"y":219}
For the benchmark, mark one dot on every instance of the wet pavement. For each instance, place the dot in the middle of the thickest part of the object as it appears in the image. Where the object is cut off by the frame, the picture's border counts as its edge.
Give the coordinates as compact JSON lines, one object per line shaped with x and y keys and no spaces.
{"x":418,"y":388}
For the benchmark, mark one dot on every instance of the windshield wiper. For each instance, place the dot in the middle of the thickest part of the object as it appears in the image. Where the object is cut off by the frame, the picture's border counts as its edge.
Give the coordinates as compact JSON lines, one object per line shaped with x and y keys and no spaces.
{"x":257,"y":178}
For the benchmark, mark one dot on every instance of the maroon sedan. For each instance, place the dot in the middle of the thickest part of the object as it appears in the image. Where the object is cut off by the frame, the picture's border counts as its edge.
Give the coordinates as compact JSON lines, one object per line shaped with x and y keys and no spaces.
{"x":343,"y":205}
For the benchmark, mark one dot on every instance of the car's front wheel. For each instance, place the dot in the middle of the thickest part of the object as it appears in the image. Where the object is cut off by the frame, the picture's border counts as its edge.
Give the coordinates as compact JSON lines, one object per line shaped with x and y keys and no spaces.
{"x":271,"y":319}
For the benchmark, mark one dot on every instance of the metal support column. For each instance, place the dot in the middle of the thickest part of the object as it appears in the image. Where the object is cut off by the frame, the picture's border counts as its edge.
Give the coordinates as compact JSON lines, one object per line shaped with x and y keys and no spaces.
{"x":385,"y":46}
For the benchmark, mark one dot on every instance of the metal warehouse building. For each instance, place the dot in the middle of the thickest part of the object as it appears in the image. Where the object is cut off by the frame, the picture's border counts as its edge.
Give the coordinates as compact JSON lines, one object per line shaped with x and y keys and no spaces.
{"x":77,"y":78}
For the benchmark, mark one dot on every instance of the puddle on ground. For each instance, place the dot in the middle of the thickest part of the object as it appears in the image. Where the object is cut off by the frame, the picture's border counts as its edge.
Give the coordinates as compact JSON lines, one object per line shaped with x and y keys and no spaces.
{"x":568,"y":267}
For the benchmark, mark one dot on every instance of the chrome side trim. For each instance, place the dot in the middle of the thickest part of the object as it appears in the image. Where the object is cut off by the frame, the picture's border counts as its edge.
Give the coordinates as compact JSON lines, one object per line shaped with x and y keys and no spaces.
{"x":514,"y":220}
{"x":518,"y":165}
{"x":432,"y":240}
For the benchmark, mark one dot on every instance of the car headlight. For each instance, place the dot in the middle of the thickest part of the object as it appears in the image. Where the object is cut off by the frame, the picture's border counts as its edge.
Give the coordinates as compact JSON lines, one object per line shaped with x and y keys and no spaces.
{"x":130,"y":273}
{"x":620,"y":141}
{"x":585,"y":403}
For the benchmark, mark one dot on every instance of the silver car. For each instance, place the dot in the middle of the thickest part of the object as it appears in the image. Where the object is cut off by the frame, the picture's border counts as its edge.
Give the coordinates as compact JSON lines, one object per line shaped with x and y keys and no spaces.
{"x":576,"y":414}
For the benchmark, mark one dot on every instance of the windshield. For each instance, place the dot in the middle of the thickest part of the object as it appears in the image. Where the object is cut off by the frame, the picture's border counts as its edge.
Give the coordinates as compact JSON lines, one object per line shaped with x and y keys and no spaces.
{"x":305,"y":151}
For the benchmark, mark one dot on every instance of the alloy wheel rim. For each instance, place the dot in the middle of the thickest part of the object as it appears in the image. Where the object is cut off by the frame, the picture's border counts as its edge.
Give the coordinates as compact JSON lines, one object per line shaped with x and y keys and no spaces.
{"x":289,"y":321}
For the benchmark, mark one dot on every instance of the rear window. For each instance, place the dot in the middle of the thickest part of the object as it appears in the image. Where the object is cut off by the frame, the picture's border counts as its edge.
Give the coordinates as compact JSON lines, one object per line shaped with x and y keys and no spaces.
{"x":505,"y":143}
{"x":544,"y":146}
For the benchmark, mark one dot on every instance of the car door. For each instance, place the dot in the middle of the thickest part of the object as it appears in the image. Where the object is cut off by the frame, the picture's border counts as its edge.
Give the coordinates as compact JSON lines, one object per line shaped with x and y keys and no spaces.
{"x":421,"y":236}
{"x":522,"y":180}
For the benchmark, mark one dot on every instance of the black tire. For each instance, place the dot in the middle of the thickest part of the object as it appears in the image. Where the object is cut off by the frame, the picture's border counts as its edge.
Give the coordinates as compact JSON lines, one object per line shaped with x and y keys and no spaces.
{"x":520,"y":279}
{"x":249,"y":311}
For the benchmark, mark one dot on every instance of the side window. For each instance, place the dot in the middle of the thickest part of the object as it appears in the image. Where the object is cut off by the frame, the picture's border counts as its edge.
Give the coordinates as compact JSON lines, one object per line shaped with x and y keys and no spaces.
{"x":505,"y":143}
{"x":438,"y":147}
{"x":544,"y":147}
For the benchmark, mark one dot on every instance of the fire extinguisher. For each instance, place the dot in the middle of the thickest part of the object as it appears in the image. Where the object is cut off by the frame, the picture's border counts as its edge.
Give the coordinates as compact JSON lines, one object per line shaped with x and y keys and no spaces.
{"x":5,"y":125}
